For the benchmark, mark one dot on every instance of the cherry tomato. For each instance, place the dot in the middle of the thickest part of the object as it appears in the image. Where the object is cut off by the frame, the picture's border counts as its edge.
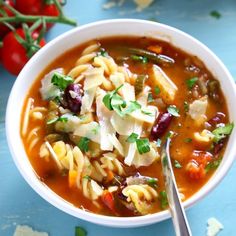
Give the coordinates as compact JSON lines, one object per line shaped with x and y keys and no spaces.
{"x":29,"y":7}
{"x":36,"y":7}
{"x":14,"y":55}
{"x":196,"y":166}
{"x":50,"y":10}
{"x":0,"y":54}
{"x":4,"y":29}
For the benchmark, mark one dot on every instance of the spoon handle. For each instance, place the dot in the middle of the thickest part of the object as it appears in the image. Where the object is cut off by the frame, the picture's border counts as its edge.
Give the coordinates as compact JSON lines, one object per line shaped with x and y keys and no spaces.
{"x":179,"y":219}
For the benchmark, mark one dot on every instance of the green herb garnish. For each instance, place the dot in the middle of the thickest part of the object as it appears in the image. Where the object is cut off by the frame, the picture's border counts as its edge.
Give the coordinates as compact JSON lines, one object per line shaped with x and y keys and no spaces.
{"x":62,"y":119}
{"x":158,"y":142}
{"x":173,"y":110}
{"x":191,"y":82}
{"x":61,"y":81}
{"x":87,"y":177}
{"x":114,"y":101}
{"x":188,"y":140}
{"x":157,"y":90}
{"x":79,"y":231}
{"x":152,"y":182}
{"x":142,"y":59}
{"x":222,"y":132}
{"x":177,"y":164}
{"x":213,"y":165}
{"x":102,"y":53}
{"x":143,"y":145}
{"x":215,"y":14}
{"x":83,"y":144}
{"x":164,"y":161}
{"x":148,"y":113}
{"x":109,"y":96}
{"x":133,"y":106}
{"x":150,"y":98}
{"x":163,"y":199}
{"x":132,"y":138}
{"x":186,"y":106}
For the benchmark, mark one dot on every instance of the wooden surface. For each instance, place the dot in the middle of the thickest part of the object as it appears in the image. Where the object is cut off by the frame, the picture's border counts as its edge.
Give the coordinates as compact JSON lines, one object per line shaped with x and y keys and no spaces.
{"x":19,"y":204}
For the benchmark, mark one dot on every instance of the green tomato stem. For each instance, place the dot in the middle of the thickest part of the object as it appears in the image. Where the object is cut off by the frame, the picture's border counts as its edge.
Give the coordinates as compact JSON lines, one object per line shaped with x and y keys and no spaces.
{"x":21,"y":18}
{"x":30,"y":18}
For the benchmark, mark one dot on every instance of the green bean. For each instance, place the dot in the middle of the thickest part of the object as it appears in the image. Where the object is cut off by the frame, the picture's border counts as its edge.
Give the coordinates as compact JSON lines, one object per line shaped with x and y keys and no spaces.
{"x":139,"y":84}
{"x":157,"y":58}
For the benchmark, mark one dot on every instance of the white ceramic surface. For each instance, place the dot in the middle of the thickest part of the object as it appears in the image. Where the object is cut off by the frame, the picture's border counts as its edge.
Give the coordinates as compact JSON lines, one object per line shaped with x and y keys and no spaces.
{"x":98,"y":30}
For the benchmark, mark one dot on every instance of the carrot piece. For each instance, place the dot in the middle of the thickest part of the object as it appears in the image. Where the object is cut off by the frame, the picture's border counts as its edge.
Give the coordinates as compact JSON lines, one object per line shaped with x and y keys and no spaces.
{"x":108,"y":200}
{"x":110,"y":175}
{"x":155,"y":48}
{"x":72,"y":178}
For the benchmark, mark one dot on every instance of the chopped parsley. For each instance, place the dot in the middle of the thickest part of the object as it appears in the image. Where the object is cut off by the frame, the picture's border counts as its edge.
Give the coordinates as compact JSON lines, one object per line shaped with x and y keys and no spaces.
{"x":188,"y":140}
{"x":87,"y":177}
{"x":133,"y":106}
{"x":83,"y":144}
{"x":157,"y":90}
{"x":142,"y":59}
{"x":186,"y":106}
{"x":173,"y":110}
{"x":158,"y":142}
{"x":61,"y":81}
{"x":152,"y":182}
{"x":62,"y":119}
{"x":177,"y":164}
{"x":222,"y":132}
{"x":132,"y":138}
{"x":150,"y":98}
{"x":143,"y":144}
{"x":102,"y":53}
{"x":213,"y":165}
{"x":107,"y":99}
{"x":164,"y":161}
{"x":79,"y":231}
{"x":145,"y":112}
{"x":215,"y":14}
{"x":114,"y":101}
{"x":163,"y":199}
{"x":191,"y":82}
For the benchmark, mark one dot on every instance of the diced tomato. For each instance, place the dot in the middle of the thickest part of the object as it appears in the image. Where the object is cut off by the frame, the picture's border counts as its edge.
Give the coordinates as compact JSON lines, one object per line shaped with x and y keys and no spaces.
{"x":108,"y":200}
{"x":195,"y":168}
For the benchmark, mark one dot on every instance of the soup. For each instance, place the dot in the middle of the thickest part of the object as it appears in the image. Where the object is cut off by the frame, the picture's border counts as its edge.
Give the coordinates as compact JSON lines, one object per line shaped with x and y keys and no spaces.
{"x":95,"y":120}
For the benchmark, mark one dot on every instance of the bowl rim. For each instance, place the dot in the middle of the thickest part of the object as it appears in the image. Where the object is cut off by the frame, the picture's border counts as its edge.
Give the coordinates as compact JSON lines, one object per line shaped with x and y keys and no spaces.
{"x":65,"y":206}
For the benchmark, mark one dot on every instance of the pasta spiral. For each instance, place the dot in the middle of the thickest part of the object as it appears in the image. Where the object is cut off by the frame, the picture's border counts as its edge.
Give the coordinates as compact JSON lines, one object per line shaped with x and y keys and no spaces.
{"x":141,"y":196}
{"x":110,"y":162}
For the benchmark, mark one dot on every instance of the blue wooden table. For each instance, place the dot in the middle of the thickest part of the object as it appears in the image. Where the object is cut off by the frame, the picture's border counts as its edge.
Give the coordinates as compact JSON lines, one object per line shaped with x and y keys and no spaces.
{"x":19,"y":204}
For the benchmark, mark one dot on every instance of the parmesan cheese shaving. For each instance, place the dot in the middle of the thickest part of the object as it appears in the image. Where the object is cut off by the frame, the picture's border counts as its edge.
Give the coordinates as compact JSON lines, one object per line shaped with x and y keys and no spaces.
{"x":214,"y":227}
{"x":24,"y":230}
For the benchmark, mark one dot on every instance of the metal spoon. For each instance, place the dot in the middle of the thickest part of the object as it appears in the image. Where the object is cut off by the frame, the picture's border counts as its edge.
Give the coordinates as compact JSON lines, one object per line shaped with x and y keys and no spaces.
{"x":179,"y":218}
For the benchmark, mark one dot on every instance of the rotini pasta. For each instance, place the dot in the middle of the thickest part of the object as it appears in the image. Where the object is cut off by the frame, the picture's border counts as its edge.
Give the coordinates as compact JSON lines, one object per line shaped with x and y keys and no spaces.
{"x":141,"y":196}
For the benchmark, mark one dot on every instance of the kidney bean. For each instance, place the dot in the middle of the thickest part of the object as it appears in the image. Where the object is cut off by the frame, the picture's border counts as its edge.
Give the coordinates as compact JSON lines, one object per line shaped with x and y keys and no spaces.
{"x":218,"y":146}
{"x":217,"y":119}
{"x":161,"y":125}
{"x":73,"y":97}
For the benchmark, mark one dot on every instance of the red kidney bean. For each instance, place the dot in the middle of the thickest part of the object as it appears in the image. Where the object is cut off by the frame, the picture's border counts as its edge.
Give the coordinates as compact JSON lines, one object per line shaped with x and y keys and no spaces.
{"x":217,"y":119}
{"x":218,"y":146}
{"x":161,"y":125}
{"x":73,"y":97}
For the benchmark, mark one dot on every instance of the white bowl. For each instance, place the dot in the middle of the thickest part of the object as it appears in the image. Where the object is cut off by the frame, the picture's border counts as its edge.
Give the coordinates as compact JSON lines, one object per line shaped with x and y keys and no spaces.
{"x":83,"y":34}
